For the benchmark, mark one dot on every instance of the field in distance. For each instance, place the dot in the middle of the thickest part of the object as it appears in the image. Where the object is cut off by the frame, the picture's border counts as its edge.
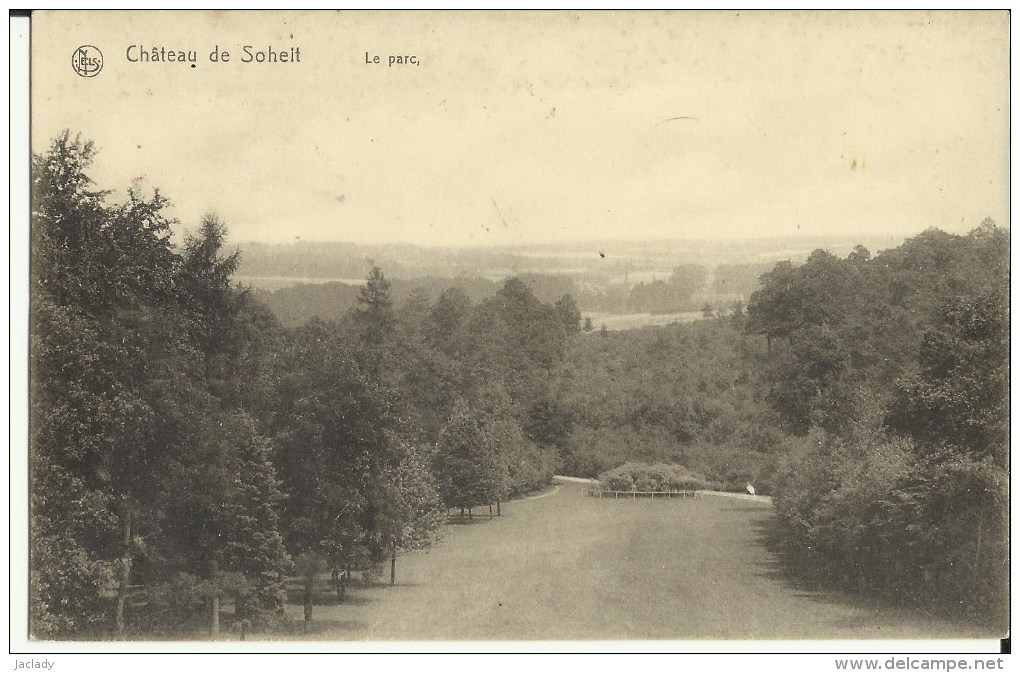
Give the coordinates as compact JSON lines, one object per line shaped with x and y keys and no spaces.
{"x":622,"y":321}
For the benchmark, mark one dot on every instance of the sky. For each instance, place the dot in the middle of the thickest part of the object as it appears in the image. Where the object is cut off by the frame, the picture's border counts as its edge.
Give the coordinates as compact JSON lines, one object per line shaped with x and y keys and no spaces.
{"x":521,"y":128}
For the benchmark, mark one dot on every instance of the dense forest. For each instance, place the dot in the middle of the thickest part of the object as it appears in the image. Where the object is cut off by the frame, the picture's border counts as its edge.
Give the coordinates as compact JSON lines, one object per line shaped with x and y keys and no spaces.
{"x":192,"y":446}
{"x":892,"y":375}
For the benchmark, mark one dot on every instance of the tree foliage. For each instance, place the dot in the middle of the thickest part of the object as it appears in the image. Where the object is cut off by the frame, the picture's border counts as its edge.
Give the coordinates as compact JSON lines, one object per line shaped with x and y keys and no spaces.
{"x":131,"y":341}
{"x":900,"y":390}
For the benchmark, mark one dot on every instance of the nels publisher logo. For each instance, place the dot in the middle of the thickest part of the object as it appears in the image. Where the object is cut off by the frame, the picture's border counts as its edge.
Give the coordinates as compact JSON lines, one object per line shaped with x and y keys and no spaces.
{"x":87,"y":60}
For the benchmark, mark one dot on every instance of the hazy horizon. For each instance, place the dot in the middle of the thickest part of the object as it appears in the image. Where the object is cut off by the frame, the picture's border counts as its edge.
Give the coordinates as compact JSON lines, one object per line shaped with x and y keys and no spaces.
{"x":580,"y":240}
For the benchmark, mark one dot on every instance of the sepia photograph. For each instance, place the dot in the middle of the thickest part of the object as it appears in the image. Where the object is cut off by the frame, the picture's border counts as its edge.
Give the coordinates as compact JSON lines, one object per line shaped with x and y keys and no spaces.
{"x":688,"y":329}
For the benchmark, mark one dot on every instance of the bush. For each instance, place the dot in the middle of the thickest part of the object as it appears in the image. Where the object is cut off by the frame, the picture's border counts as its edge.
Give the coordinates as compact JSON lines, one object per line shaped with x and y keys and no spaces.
{"x":875,"y":516}
{"x":175,"y":605}
{"x":531,"y":467}
{"x":659,"y":477}
{"x":181,"y":603}
{"x":732,"y":468}
{"x":617,"y":480}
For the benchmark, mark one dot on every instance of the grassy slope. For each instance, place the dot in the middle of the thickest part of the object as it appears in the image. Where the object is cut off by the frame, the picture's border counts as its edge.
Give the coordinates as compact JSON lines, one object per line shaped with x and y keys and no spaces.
{"x":566,"y":567}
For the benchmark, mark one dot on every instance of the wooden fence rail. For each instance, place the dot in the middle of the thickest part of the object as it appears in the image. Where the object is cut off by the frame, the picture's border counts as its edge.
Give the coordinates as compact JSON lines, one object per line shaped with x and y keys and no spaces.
{"x":600,"y":493}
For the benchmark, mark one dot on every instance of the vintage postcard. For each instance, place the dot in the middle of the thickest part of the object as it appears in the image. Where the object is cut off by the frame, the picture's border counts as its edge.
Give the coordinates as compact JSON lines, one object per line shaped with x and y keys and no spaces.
{"x":674,"y":330}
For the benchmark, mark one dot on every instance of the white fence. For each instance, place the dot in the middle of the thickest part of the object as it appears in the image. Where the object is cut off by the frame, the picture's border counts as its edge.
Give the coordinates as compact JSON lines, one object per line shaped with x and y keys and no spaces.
{"x":600,"y":493}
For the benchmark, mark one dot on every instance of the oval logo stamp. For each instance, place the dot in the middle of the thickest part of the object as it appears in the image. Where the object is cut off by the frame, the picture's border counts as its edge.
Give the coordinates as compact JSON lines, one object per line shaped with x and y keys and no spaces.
{"x":87,"y":60}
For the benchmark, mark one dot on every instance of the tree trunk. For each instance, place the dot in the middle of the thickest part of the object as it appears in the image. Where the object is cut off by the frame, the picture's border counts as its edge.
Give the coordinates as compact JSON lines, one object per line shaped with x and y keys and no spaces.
{"x":125,"y":574}
{"x":309,"y":589}
{"x":214,"y":629}
{"x":490,"y":510}
{"x":469,"y":513}
{"x":343,"y":585}
{"x":977,"y":550}
{"x":462,"y":512}
{"x":498,"y":513}
{"x":336,"y":585}
{"x":240,"y":612}
{"x":214,"y":600}
{"x":393,"y":565}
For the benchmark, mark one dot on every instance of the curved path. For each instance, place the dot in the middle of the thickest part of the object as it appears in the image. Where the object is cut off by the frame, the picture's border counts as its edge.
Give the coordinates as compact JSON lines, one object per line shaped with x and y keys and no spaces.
{"x":562,"y":566}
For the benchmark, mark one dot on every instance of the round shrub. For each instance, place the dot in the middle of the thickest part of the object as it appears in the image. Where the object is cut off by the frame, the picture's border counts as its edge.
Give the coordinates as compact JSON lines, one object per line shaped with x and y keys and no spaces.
{"x":658,"y":478}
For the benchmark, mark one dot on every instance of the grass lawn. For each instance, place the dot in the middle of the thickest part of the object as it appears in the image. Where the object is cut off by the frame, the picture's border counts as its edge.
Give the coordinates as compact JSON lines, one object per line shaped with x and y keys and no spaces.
{"x":567,"y":567}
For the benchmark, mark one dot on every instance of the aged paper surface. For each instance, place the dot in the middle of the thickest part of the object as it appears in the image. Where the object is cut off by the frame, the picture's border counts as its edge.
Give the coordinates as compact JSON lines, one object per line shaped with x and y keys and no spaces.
{"x":517,"y":129}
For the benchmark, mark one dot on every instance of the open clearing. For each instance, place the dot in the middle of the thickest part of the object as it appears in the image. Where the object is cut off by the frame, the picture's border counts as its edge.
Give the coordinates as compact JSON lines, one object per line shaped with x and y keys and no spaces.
{"x":567,"y":567}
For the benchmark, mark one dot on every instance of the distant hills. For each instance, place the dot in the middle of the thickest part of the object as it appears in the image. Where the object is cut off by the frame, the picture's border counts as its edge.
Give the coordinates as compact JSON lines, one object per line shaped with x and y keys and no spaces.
{"x":303,"y":279}
{"x":598,"y":260}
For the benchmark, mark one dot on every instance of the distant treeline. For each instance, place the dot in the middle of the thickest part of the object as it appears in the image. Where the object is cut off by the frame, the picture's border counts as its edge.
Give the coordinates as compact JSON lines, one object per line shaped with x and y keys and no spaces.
{"x":298,"y":304}
{"x":687,"y":288}
{"x":598,"y":262}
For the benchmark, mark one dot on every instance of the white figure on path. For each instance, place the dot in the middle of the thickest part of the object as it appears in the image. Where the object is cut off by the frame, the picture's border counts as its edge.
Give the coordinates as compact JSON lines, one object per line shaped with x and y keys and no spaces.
{"x":750,"y":489}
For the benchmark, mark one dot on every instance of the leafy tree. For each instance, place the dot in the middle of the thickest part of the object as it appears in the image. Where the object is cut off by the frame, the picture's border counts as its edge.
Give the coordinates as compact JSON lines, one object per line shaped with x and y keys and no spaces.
{"x":419,"y":514}
{"x":68,"y":573}
{"x":900,"y":387}
{"x":130,"y":342}
{"x":309,"y":566}
{"x":204,"y":281}
{"x":220,"y":513}
{"x":468,"y":465}
{"x":960,"y":395}
{"x":421,"y":368}
{"x":375,"y":313}
{"x":244,"y":497}
{"x":331,"y":435}
{"x":254,"y":544}
{"x":569,"y":314}
{"x":774,"y":309}
{"x":548,"y":422}
{"x":102,"y":325}
{"x":448,"y":314}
